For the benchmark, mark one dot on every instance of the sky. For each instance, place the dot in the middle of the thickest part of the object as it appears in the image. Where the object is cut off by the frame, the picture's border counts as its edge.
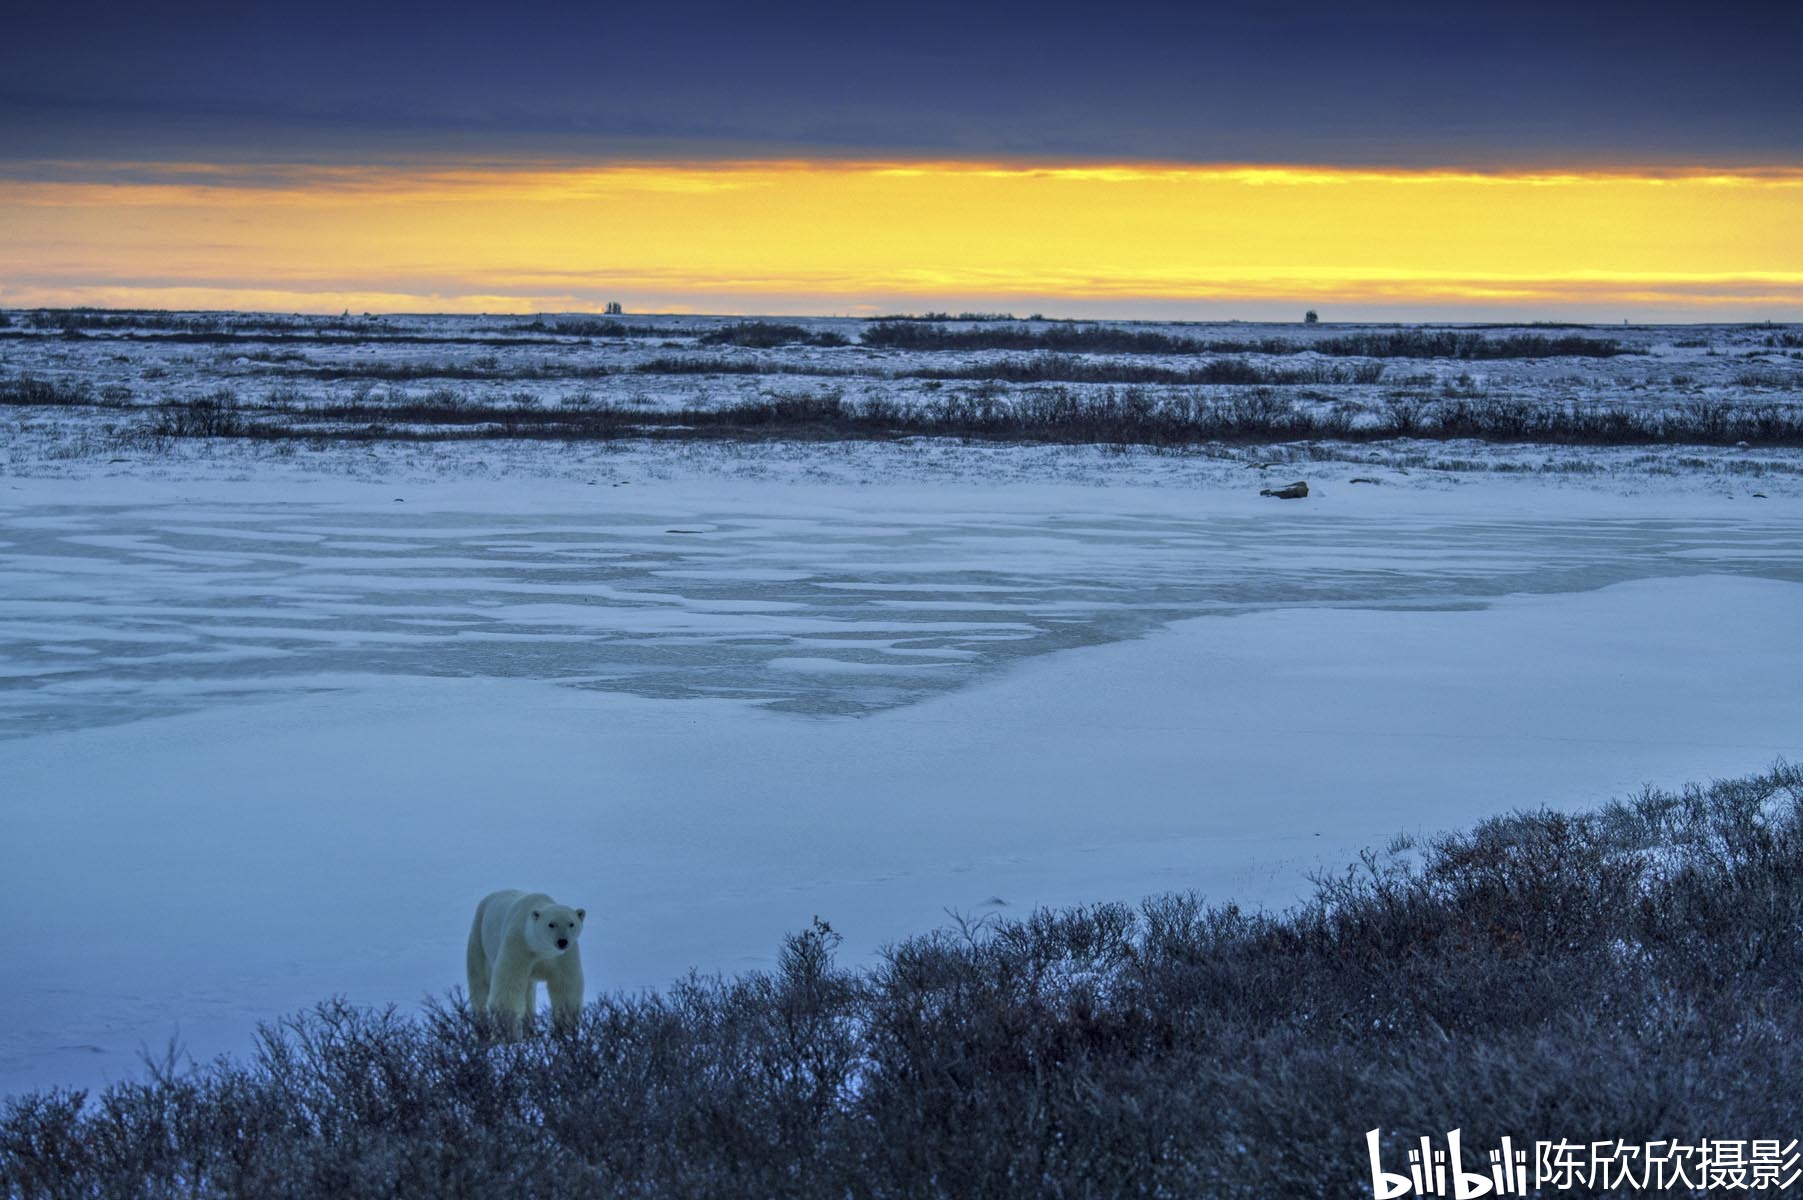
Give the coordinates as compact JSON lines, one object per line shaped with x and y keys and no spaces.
{"x":1601,"y":161}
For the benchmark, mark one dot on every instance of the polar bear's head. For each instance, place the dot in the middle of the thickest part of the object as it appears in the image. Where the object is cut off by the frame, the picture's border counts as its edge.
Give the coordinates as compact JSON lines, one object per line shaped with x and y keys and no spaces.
{"x":553,"y":929}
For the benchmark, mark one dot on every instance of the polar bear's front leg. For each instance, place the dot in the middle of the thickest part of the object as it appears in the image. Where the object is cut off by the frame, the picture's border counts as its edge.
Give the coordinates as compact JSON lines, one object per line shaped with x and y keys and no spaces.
{"x":564,"y":982}
{"x":510,"y":989}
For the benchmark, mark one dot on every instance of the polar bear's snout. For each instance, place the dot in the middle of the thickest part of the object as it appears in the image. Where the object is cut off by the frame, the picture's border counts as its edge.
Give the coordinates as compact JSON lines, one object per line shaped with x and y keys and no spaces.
{"x":556,"y":927}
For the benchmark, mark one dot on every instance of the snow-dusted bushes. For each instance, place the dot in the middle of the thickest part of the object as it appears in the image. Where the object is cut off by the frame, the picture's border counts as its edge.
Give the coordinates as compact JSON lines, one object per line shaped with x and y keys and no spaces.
{"x":1115,"y":339}
{"x":767,"y":335}
{"x":1448,"y":343}
{"x":991,"y":411}
{"x":1627,"y":974}
{"x":116,"y":319}
{"x":1216,"y":372}
{"x":214,"y":416}
{"x":1059,"y":338}
{"x":28,"y":390}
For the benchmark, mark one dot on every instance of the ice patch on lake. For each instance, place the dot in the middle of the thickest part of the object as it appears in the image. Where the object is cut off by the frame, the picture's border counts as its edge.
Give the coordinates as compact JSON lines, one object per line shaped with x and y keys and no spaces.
{"x":114,"y":613}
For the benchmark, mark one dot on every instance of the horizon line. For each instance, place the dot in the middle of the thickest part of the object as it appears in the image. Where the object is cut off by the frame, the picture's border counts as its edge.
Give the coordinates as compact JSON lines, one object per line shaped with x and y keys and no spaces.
{"x":970,"y":316}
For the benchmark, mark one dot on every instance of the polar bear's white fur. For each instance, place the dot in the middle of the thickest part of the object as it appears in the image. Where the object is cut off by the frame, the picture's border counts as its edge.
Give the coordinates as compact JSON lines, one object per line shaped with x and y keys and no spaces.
{"x":519,"y":940}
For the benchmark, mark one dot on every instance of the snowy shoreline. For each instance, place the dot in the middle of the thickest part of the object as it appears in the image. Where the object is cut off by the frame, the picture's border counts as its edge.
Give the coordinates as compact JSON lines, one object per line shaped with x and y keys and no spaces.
{"x":40,"y":452}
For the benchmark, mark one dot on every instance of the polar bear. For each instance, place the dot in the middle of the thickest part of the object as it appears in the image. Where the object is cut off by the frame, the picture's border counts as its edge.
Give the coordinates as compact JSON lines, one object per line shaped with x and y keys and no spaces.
{"x":519,"y":940}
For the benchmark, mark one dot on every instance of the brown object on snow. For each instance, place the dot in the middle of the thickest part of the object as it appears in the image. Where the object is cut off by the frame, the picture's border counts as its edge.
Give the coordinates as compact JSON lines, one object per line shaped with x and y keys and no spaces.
{"x":1295,"y":491}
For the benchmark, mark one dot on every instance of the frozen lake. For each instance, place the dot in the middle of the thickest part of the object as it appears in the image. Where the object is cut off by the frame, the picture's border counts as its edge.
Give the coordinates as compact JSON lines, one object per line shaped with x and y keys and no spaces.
{"x":711,"y":711}
{"x":116,"y":612}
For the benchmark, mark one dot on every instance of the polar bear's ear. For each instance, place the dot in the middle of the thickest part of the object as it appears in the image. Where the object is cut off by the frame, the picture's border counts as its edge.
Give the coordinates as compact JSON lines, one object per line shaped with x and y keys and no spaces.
{"x":582,"y":914}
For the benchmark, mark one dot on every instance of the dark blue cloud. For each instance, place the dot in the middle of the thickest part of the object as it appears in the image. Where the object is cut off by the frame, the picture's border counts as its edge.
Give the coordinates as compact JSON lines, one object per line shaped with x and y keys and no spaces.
{"x":1402,"y":82}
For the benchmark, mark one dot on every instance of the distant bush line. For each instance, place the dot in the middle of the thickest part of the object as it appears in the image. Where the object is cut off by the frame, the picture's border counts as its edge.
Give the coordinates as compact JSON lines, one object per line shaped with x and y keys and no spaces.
{"x":765,"y":335}
{"x":1047,"y":414}
{"x":594,"y":327}
{"x":1068,"y":339}
{"x":481,"y":367}
{"x":230,"y":337}
{"x":1038,"y":368}
{"x":1073,"y":368}
{"x":1109,"y":339}
{"x":228,"y":327}
{"x":973,"y":332}
{"x":1627,"y":974}
{"x":961,"y":316}
{"x":136,"y":325}
{"x":1431,"y":343}
{"x":138,"y":318}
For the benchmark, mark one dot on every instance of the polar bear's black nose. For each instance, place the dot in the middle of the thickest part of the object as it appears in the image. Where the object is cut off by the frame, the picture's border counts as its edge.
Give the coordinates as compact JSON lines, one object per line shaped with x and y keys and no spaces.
{"x":563,"y":943}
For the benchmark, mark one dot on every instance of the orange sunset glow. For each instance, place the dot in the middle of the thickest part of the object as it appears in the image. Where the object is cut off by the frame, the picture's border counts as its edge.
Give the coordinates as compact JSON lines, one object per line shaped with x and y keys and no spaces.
{"x":862,"y":237}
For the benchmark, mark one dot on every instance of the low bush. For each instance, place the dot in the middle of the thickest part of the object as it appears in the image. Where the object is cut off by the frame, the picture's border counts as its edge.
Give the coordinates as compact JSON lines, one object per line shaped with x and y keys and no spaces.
{"x":215,"y":416}
{"x":767,"y":335}
{"x":30,"y":390}
{"x":694,"y":364}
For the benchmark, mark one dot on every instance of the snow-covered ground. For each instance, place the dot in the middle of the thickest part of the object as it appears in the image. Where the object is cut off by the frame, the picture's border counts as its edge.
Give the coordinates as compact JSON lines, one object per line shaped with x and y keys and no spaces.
{"x":273,"y":717}
{"x":500,"y":360}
